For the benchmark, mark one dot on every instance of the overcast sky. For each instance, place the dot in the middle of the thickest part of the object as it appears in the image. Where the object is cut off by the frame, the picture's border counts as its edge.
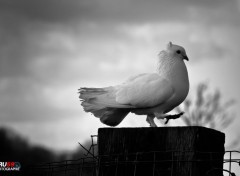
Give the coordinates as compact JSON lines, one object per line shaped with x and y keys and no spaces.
{"x":50,"y":48}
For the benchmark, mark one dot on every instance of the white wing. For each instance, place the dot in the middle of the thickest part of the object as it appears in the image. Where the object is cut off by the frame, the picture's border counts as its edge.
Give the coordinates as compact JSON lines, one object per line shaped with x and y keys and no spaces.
{"x":145,"y":90}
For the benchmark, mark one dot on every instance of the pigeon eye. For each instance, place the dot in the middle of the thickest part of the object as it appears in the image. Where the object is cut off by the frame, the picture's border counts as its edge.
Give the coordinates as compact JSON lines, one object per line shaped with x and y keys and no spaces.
{"x":178,"y":51}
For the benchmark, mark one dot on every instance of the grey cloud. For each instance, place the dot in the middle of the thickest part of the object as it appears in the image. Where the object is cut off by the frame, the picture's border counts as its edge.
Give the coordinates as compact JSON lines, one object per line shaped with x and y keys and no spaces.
{"x":26,"y":100}
{"x":104,"y":10}
{"x":209,"y":50}
{"x":49,"y":11}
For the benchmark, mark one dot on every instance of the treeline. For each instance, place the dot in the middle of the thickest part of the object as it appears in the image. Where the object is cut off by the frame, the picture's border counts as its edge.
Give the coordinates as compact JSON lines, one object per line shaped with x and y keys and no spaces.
{"x":14,"y":147}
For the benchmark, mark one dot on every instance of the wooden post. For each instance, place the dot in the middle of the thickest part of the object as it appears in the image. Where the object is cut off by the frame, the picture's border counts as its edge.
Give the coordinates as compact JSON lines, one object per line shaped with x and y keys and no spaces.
{"x":167,"y":151}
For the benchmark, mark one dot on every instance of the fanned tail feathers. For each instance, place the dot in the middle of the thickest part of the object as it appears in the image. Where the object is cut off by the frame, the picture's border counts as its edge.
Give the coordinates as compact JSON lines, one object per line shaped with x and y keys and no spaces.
{"x":101,"y":103}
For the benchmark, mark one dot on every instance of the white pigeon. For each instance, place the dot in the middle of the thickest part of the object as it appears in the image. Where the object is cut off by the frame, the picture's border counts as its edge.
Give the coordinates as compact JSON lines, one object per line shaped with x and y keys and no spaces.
{"x":151,"y":94}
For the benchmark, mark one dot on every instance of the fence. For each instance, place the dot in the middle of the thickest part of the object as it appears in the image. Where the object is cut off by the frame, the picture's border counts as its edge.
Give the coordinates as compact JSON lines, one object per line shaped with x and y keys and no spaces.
{"x":129,"y":164}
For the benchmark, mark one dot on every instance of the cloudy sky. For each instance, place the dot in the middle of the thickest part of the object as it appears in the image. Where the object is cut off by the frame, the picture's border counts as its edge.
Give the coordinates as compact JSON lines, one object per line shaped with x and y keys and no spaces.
{"x":50,"y":48}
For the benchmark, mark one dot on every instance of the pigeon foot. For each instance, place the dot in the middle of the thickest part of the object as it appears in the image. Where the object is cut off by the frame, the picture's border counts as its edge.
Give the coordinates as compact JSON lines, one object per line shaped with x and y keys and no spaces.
{"x":175,"y":116}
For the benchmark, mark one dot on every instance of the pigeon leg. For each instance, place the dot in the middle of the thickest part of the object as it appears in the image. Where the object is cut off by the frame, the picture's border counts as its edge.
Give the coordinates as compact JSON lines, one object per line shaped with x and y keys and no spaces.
{"x":160,"y":115}
{"x":150,"y":120}
{"x":175,"y":116}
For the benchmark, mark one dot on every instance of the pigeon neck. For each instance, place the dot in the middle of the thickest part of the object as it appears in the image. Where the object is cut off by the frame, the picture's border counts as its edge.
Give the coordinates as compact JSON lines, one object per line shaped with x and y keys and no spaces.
{"x":171,"y":68}
{"x":166,"y":65}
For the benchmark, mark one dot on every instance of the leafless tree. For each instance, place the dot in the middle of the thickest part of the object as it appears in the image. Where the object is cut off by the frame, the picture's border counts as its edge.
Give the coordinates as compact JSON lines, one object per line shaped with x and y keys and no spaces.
{"x":207,"y":109}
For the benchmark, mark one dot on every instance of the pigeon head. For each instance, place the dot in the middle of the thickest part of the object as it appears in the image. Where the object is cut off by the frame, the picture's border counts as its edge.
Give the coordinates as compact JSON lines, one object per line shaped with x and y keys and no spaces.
{"x":176,"y":51}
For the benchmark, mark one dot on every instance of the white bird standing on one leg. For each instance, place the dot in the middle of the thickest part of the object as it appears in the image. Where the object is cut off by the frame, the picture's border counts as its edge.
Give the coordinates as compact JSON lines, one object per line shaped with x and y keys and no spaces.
{"x":151,"y":94}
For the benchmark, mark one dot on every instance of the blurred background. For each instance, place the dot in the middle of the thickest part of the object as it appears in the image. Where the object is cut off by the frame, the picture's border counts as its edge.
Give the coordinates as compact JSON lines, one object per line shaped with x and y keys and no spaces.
{"x":51,"y":48}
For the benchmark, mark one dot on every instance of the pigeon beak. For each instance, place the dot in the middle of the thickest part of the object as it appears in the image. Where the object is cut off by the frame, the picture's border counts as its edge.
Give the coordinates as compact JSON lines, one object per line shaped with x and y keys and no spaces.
{"x":186,"y":58}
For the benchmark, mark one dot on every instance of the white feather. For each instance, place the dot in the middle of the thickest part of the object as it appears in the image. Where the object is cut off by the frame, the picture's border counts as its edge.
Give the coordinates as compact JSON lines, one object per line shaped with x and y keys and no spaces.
{"x":146,"y":90}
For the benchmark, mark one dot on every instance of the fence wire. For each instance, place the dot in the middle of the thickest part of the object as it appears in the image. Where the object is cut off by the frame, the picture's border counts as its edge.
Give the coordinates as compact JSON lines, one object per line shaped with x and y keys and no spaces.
{"x":153,"y":163}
